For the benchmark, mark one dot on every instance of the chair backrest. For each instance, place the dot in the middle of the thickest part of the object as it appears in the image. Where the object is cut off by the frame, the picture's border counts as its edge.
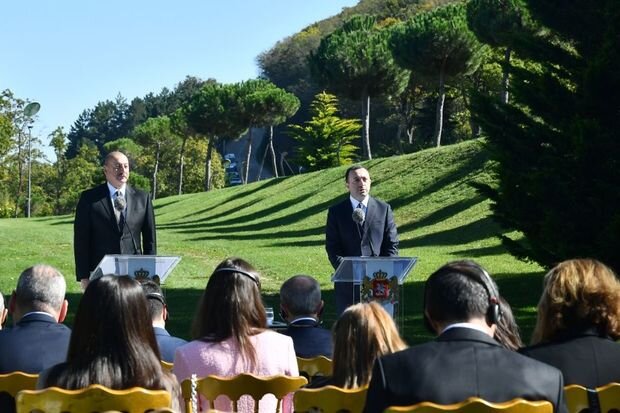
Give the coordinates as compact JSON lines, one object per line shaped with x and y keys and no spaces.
{"x":94,"y":398}
{"x":330,"y":399}
{"x":12,"y":383}
{"x":316,"y":366}
{"x":477,"y":405}
{"x":167,"y":366}
{"x":576,"y":398}
{"x":609,"y":398}
{"x":242,"y":384}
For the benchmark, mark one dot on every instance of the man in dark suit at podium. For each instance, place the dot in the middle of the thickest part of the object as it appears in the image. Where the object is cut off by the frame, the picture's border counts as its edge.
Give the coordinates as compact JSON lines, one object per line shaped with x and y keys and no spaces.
{"x":359,"y":226}
{"x":112,"y":218}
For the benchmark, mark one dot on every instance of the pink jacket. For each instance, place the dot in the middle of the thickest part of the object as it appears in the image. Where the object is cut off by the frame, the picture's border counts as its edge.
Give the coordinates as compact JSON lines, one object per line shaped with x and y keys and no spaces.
{"x":275,"y":355}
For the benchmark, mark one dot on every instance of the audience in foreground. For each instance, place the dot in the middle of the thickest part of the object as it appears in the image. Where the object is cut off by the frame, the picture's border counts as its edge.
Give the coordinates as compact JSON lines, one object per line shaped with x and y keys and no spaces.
{"x":38,"y":306}
{"x":230,"y":336}
{"x":301,"y":307}
{"x":462,"y":306}
{"x":158,"y":311}
{"x":578,"y":323}
{"x":364,"y":332}
{"x":112,"y":343}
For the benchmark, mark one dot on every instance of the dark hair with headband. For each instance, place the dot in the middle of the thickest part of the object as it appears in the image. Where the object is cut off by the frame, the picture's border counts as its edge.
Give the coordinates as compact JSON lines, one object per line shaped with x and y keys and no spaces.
{"x":155,"y":298}
{"x":231,"y":307}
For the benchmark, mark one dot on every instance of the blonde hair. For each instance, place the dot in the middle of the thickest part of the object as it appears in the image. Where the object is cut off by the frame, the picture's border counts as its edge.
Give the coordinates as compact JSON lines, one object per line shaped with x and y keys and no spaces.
{"x":578,"y":294}
{"x":363,"y":333}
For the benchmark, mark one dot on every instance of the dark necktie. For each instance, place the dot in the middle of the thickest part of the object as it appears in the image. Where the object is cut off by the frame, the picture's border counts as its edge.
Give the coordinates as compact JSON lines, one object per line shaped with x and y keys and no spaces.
{"x":119,"y":207}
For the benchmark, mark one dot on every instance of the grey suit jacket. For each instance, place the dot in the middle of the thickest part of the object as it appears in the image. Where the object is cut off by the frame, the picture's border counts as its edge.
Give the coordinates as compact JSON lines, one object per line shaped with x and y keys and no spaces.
{"x":377,"y":237}
{"x":459,"y":364}
{"x":96,"y":233}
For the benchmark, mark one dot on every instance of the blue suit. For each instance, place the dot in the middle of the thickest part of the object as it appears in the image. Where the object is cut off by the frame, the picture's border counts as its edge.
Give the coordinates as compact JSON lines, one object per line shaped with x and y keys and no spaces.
{"x":35,"y":343}
{"x":167,"y":343}
{"x":309,"y":339}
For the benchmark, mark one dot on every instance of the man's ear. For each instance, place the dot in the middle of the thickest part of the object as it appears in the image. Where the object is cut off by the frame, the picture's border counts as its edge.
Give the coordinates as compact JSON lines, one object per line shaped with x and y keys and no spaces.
{"x":62,"y":314}
{"x":165,"y":313}
{"x":3,"y":315}
{"x":319,"y":310}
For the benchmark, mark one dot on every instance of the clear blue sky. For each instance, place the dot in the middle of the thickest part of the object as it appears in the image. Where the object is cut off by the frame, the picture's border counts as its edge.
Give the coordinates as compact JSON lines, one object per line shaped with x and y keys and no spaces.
{"x":70,"y":54}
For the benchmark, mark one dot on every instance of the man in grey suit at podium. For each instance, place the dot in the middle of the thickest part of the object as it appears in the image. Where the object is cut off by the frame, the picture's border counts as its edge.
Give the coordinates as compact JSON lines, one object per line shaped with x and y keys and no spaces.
{"x":112,"y":218}
{"x":359,"y":226}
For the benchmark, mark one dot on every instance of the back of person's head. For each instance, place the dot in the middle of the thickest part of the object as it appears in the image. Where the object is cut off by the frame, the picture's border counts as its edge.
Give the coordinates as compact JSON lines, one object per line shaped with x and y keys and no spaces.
{"x":155,"y":299}
{"x":231,"y":306}
{"x":300,"y":295}
{"x":112,"y":342}
{"x":461,"y":291}
{"x":364,"y":332}
{"x":507,"y":332}
{"x":578,"y":294}
{"x":40,"y":288}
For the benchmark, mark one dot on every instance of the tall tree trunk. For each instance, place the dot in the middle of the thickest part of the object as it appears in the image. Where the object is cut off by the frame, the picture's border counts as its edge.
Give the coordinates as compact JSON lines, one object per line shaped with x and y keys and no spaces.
{"x":262,"y":163}
{"x":208,"y":165}
{"x":181,"y":166}
{"x":505,"y":75}
{"x":439,"y":113}
{"x":366,"y":131}
{"x":155,"y":169}
{"x":273,"y":152}
{"x":248,"y":154}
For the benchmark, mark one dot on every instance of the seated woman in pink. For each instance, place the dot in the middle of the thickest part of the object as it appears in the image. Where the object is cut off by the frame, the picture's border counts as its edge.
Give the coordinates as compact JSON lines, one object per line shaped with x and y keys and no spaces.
{"x":230,"y":336}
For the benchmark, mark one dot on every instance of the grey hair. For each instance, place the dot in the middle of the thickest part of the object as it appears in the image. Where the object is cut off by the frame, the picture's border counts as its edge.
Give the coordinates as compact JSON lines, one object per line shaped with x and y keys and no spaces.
{"x":301,"y":295}
{"x":41,"y":288}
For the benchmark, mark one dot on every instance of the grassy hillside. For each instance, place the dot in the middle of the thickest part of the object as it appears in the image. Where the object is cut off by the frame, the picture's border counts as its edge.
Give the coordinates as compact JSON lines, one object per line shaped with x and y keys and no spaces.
{"x":278,"y":225}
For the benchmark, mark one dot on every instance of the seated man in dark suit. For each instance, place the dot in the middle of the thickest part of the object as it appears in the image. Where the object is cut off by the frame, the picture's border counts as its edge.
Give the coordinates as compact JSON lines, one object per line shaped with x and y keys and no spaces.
{"x":300,"y":307}
{"x":159,"y":314}
{"x":462,"y":306}
{"x":38,"y":306}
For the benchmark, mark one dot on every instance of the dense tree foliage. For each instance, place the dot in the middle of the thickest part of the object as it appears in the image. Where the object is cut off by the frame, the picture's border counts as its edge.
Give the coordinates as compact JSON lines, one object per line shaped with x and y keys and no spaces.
{"x":438,"y":46}
{"x":557,"y":142}
{"x":326,"y":140}
{"x":355,"y":61}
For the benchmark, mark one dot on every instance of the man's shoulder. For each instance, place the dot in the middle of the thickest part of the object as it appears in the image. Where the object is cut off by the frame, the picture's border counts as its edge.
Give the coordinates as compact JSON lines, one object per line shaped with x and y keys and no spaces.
{"x":340,"y":204}
{"x":95,"y":191}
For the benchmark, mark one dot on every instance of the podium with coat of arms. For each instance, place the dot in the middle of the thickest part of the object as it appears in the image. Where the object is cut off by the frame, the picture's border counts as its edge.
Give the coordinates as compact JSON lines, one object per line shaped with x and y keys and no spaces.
{"x":153,"y":267}
{"x":377,"y":279}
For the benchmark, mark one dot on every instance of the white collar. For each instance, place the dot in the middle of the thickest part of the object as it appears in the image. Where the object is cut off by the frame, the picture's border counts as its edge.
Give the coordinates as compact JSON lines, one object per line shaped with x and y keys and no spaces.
{"x":471,"y":326}
{"x":355,"y":202}
{"x":112,"y":190}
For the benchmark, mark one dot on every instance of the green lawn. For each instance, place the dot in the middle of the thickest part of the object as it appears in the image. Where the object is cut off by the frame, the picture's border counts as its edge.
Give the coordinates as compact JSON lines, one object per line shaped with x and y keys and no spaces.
{"x":278,"y":225}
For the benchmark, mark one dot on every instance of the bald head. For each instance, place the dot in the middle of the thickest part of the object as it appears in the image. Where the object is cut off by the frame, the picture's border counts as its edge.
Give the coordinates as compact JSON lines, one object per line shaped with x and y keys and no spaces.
{"x":39,"y":288}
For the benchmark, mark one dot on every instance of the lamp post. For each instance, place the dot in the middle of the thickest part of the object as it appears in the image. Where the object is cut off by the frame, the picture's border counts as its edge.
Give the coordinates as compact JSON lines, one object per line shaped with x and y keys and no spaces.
{"x":30,"y":110}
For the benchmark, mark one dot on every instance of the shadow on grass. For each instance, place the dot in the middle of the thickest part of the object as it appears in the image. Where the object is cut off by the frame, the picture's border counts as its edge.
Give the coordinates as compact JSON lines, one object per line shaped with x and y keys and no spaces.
{"x":63,"y":222}
{"x":474,"y":231}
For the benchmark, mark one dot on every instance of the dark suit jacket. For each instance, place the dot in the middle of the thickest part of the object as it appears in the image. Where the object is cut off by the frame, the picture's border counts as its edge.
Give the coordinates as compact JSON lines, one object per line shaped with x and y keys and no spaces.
{"x":583,"y":358}
{"x":461,"y":363}
{"x":35,"y":343}
{"x":96,"y":233}
{"x":376,"y":238}
{"x":309,"y":339}
{"x":167,"y":344}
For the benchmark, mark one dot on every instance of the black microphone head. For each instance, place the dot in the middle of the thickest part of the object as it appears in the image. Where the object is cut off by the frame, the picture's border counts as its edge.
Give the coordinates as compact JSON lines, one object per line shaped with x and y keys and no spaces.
{"x":120,"y":203}
{"x":358,"y":215}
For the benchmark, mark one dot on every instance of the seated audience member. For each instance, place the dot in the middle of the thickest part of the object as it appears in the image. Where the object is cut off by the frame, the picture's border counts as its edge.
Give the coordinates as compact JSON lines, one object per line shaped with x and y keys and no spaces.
{"x":38,"y":306}
{"x":578,"y":323}
{"x":230,"y":336}
{"x":3,"y":311}
{"x":112,"y":343}
{"x":507,"y":332}
{"x":462,"y":306}
{"x":158,"y":310}
{"x":301,"y":307}
{"x":364,"y":332}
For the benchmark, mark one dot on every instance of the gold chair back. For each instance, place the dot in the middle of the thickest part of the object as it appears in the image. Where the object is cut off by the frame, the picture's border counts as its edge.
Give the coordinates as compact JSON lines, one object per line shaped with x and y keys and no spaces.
{"x":330,"y":399}
{"x":242,"y":384}
{"x":12,"y":383}
{"x":609,"y":398}
{"x":316,"y":366}
{"x":576,"y":398}
{"x":478,"y":405}
{"x":94,"y":398}
{"x":167,"y":366}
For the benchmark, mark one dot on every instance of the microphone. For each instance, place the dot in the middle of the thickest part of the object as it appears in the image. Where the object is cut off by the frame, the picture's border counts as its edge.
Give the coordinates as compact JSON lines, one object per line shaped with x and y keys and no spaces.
{"x":358,"y":215}
{"x":120,"y":204}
